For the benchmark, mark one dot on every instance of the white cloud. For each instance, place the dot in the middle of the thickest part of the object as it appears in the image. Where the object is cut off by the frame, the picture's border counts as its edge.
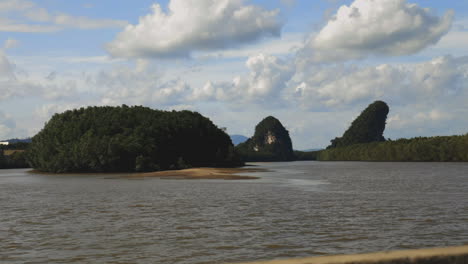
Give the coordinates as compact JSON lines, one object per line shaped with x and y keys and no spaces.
{"x":14,"y":83}
{"x":441,"y":79}
{"x":186,"y":28}
{"x":6,"y":68}
{"x":12,"y":5}
{"x":124,"y":85}
{"x":46,"y":111}
{"x":383,"y":27}
{"x":87,"y":23}
{"x":23,"y":16}
{"x":400,"y":121}
{"x":264,"y":84}
{"x":7,"y":25}
{"x":454,"y":43}
{"x":7,"y":126}
{"x":287,"y":44}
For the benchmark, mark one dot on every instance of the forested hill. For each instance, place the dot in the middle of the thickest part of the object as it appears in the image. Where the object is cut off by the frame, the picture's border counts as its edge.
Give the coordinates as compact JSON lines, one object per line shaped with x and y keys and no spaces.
{"x":127,"y":139}
{"x":364,"y":141}
{"x":271,"y":142}
{"x":367,"y":127}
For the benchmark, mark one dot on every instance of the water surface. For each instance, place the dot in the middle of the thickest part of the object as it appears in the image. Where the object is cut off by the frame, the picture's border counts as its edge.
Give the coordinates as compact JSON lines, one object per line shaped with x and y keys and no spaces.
{"x":297,"y":209}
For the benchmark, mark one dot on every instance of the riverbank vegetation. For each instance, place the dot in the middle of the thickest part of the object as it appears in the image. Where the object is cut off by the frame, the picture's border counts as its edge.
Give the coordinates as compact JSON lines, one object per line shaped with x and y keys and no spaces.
{"x":10,"y":159}
{"x":364,"y":141}
{"x":13,"y":156}
{"x":447,"y":148}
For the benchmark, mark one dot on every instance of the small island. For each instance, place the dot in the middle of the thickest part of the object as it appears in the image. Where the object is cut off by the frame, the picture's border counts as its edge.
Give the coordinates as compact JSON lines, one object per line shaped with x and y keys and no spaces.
{"x":129,"y":139}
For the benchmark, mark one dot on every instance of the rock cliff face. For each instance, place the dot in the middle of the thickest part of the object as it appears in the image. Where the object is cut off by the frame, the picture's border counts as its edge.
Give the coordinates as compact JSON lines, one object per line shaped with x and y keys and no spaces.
{"x":367,"y":127}
{"x":271,"y":142}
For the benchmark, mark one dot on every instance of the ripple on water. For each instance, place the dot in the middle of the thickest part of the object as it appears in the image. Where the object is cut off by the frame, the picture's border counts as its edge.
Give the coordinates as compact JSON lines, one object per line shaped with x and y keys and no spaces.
{"x":317,"y":209}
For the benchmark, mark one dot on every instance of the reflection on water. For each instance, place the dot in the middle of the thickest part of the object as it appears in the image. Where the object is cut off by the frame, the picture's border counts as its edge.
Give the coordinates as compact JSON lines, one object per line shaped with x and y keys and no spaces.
{"x":297,"y":209}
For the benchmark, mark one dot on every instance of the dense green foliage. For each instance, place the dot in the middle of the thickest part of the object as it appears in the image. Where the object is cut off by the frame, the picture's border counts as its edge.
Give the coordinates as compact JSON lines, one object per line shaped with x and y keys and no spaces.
{"x":367,"y":127}
{"x":449,"y":148}
{"x":13,"y":156}
{"x":271,"y":142}
{"x":306,"y":155}
{"x":16,"y":146}
{"x":128,"y":139}
{"x":13,"y":161}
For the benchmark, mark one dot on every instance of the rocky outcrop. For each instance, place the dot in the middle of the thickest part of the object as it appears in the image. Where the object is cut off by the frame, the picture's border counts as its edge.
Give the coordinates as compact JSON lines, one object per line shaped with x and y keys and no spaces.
{"x":367,"y":127}
{"x":271,"y":142}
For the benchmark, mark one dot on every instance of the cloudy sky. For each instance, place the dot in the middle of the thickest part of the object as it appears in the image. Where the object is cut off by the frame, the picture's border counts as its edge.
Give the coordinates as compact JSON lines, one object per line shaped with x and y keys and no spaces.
{"x":312,"y":64}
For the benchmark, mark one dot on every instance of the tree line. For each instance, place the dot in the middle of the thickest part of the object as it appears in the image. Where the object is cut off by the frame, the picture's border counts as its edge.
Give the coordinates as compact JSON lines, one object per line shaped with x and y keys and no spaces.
{"x":134,"y":139}
{"x":13,"y":156}
{"x":441,"y":148}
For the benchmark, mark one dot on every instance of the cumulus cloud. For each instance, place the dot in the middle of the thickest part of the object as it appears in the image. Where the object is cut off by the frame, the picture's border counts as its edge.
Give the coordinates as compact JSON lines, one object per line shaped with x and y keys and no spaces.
{"x":26,"y":16}
{"x":441,"y":79}
{"x":399,"y":120}
{"x":383,"y":27}
{"x":46,"y":111}
{"x":13,"y":84}
{"x":265,"y":82}
{"x":6,"y":68}
{"x":124,"y":85}
{"x":186,"y":27}
{"x":7,"y":126}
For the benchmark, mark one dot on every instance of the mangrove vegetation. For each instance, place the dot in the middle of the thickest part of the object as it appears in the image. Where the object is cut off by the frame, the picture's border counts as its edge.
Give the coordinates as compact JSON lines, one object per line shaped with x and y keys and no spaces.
{"x":129,"y":139}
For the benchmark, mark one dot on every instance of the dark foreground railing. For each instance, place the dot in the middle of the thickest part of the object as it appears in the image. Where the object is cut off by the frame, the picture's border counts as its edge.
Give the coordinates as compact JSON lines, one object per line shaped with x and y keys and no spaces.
{"x":451,"y":255}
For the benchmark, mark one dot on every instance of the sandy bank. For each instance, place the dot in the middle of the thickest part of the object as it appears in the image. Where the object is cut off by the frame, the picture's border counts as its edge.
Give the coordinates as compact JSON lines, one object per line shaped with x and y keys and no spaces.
{"x":203,"y":173}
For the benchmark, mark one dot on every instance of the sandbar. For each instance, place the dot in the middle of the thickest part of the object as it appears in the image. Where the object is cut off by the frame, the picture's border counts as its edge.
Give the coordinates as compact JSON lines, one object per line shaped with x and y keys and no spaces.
{"x":203,"y":173}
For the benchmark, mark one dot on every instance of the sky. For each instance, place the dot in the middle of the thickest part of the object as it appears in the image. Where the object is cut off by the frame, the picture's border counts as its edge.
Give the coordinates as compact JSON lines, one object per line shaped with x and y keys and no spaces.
{"x":314,"y":65}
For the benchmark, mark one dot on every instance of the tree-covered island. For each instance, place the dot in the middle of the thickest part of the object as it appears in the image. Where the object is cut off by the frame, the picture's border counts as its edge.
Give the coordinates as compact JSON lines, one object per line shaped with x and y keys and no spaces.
{"x":129,"y":139}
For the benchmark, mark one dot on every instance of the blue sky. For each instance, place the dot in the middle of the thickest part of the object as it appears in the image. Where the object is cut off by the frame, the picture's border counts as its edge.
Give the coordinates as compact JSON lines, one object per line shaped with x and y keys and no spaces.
{"x":313,"y":64}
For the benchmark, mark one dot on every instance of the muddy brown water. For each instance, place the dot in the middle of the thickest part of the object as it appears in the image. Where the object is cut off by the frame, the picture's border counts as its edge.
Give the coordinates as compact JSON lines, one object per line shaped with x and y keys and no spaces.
{"x":296,"y":209}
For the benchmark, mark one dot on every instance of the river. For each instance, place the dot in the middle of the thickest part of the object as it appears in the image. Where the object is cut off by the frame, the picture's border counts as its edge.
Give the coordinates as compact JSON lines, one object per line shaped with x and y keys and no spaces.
{"x":296,"y":209}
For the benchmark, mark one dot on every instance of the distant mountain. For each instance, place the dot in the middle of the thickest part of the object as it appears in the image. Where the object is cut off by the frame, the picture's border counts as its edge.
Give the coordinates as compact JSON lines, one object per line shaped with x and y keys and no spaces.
{"x":237,"y":139}
{"x":16,"y":140}
{"x":309,"y":150}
